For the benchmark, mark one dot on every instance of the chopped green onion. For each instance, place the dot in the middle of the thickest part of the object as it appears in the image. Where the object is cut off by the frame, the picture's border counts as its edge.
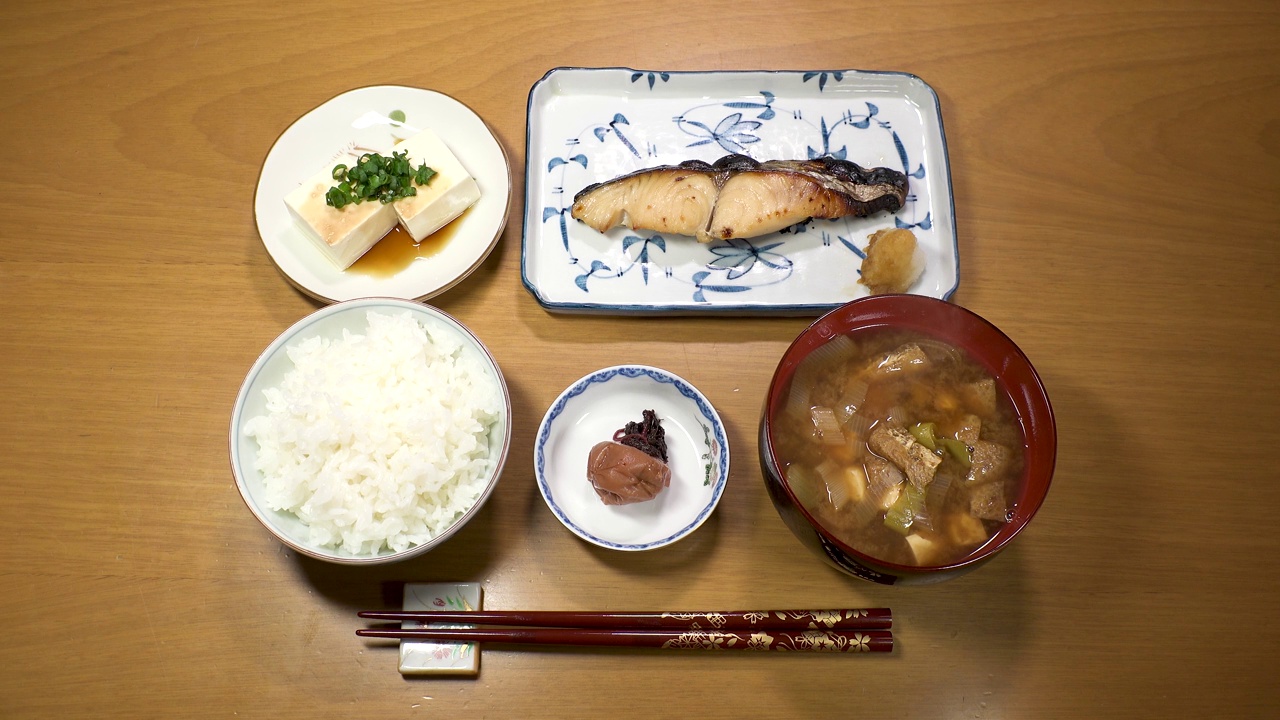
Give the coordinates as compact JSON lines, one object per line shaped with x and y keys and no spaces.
{"x":902,"y":514}
{"x":336,"y":198}
{"x":924,"y":434}
{"x":859,"y":426}
{"x":375,"y":177}
{"x":824,"y":419}
{"x":855,"y":393}
{"x":397,"y":115}
{"x":805,"y":485}
{"x":958,"y":450}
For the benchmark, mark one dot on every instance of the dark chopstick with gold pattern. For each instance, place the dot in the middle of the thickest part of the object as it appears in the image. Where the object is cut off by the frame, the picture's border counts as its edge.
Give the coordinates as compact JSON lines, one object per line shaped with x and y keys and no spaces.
{"x":849,"y":641}
{"x":850,"y":630}
{"x":848,"y":619}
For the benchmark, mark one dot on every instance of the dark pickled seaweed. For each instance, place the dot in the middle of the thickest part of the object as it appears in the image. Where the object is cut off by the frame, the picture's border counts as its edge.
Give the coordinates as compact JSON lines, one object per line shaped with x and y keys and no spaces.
{"x":647,"y":436}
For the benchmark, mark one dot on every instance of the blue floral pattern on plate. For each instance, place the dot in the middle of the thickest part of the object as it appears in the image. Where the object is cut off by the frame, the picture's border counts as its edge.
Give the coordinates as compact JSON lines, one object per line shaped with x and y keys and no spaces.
{"x":591,"y":125}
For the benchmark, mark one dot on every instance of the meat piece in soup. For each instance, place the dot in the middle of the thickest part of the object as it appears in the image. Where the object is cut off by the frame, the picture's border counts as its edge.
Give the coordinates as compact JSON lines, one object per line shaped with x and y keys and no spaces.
{"x":902,"y":446}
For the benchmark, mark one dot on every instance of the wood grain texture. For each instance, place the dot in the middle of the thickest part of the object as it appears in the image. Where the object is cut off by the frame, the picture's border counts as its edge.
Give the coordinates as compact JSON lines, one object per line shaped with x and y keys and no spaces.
{"x":1117,"y":174}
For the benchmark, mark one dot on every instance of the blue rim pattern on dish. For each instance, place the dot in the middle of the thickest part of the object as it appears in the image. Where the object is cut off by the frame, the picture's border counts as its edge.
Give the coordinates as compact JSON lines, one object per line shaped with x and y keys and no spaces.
{"x":720,"y":447}
{"x":732,"y":134}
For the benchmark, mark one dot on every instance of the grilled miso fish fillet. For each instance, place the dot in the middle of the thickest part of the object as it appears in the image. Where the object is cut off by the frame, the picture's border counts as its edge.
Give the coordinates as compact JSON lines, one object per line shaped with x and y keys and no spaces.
{"x":738,"y":197}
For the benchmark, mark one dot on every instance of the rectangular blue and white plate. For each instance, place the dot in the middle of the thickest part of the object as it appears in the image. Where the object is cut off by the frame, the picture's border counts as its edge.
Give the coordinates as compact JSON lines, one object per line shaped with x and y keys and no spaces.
{"x":589,"y":125}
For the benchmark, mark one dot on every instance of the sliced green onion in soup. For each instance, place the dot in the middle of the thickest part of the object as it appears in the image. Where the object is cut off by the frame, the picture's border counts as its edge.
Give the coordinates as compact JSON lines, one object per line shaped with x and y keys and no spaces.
{"x":798,"y":399}
{"x":924,"y":434}
{"x":890,"y":496}
{"x":835,"y":350}
{"x":846,"y":484}
{"x":859,"y":426}
{"x":824,"y":419}
{"x":829,"y":470}
{"x":923,"y":518}
{"x":866,"y":511}
{"x":936,"y":493}
{"x":855,"y":393}
{"x":961,"y":452}
{"x":935,"y":498}
{"x":940,"y":352}
{"x":902,"y":514}
{"x":807,"y":487}
{"x":882,"y":474}
{"x":897,"y":415}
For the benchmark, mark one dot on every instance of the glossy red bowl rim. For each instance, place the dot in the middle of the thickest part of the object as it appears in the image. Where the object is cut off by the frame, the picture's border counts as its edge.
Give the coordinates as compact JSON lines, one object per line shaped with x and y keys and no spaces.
{"x":986,"y":344}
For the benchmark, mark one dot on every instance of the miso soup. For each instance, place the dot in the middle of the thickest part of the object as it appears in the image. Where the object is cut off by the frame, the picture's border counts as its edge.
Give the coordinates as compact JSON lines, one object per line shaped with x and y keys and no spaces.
{"x":902,"y":446}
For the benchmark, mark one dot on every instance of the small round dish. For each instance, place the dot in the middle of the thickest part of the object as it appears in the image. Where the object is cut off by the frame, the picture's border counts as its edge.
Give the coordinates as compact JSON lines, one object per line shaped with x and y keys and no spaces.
{"x":362,"y":119}
{"x":270,"y":369}
{"x":590,"y":411}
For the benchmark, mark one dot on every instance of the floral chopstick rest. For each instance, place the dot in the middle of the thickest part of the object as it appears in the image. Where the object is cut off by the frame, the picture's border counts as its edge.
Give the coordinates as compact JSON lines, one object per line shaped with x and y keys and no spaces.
{"x":427,"y":657}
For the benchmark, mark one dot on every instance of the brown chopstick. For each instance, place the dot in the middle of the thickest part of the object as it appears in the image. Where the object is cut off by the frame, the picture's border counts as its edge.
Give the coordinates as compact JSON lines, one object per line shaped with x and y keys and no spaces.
{"x":799,"y":641}
{"x":848,"y":619}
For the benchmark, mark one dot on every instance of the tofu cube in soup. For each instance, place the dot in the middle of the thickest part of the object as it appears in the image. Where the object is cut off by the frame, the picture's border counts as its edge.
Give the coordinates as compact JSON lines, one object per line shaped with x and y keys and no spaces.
{"x":925,"y":549}
{"x":846,"y":484}
{"x":965,"y":530}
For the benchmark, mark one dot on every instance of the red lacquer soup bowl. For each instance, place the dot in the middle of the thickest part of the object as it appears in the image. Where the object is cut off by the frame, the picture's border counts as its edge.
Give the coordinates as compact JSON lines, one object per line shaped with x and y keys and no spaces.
{"x":985,"y":344}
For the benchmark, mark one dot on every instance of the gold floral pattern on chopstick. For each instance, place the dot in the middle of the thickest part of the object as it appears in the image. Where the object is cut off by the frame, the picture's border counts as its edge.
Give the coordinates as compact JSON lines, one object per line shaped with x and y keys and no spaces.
{"x":806,"y":641}
{"x":814,"y":619}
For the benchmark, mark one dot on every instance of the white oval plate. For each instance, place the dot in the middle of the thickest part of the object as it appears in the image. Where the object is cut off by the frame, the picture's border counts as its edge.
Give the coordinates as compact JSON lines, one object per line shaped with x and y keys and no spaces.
{"x":361,"y":118}
{"x":590,"y":411}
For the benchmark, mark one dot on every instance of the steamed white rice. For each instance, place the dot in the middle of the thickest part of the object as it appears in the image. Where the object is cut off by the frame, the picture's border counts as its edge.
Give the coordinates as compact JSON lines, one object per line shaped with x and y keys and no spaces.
{"x":378,"y":439}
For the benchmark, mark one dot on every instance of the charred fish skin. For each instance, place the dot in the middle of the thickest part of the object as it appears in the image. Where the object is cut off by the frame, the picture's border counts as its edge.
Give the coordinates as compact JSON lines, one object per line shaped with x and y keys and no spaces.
{"x":867,"y":185}
{"x":758,"y":198}
{"x":738,"y":196}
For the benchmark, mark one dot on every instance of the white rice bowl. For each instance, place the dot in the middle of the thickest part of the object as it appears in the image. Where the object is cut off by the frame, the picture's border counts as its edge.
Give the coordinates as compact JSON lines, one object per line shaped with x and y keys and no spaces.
{"x":370,"y":431}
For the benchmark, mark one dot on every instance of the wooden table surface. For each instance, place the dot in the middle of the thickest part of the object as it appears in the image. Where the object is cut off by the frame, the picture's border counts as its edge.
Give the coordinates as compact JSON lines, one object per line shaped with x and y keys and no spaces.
{"x":1116,"y":169}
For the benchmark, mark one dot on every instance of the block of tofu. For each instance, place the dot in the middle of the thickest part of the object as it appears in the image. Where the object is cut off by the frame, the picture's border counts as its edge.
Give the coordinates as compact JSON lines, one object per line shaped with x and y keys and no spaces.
{"x":449,"y":193}
{"x":340,"y":235}
{"x":966,"y":530}
{"x":927,"y":551}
